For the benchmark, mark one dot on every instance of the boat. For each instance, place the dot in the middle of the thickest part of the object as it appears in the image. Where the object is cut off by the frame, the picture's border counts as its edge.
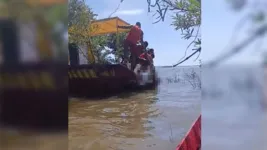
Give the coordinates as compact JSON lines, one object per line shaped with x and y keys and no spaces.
{"x":95,"y":79}
{"x":32,"y":91}
{"x":192,"y":140}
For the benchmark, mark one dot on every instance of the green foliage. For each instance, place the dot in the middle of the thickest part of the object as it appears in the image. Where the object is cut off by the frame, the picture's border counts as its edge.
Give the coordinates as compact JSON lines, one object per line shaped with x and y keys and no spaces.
{"x":257,"y":12}
{"x":186,"y":17}
{"x":116,"y":44}
{"x":58,"y":18}
{"x":256,"y":16}
{"x":104,"y":47}
{"x":57,"y":13}
{"x":80,"y":18}
{"x":26,"y":12}
{"x":46,"y":17}
{"x":99,"y":48}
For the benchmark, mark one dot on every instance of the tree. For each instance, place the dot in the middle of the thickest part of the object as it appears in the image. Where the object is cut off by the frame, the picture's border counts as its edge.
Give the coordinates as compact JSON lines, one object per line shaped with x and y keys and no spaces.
{"x":186,"y":18}
{"x":256,"y":18}
{"x":257,"y":11}
{"x":186,"y":15}
{"x":27,"y":12}
{"x":45,"y":16}
{"x":80,"y":18}
{"x":115,"y":42}
{"x":108,"y":48}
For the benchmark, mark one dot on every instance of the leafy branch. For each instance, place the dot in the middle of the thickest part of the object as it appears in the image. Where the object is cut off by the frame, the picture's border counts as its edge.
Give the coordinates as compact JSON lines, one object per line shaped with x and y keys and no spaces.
{"x":186,"y":16}
{"x":256,"y":17}
{"x":80,"y":18}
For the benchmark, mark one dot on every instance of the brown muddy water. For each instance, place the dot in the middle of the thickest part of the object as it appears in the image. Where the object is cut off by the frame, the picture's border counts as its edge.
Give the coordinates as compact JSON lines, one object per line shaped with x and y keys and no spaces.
{"x":13,"y":139}
{"x":156,"y":119}
{"x":146,"y":120}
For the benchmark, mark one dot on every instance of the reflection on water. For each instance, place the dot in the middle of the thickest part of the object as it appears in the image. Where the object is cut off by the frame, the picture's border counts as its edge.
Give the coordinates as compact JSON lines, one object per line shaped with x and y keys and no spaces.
{"x":11,"y":139}
{"x":149,"y":120}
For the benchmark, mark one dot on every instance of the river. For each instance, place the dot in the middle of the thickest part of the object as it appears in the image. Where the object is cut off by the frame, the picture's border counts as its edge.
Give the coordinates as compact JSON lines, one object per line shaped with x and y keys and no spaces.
{"x":155,"y":119}
{"x":233,"y":115}
{"x":233,"y":110}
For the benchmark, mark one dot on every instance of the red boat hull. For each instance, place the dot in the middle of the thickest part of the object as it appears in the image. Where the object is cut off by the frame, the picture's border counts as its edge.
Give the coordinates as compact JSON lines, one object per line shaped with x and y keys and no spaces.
{"x":192,"y":140}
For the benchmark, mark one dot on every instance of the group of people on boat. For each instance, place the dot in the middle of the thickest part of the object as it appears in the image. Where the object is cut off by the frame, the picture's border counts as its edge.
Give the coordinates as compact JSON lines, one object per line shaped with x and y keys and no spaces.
{"x":136,"y":49}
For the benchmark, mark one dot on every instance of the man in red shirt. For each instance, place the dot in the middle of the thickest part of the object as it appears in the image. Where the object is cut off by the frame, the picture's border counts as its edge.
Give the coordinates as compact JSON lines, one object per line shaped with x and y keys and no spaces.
{"x":148,"y":56}
{"x":145,"y":64}
{"x":134,"y":36}
{"x":146,"y":60}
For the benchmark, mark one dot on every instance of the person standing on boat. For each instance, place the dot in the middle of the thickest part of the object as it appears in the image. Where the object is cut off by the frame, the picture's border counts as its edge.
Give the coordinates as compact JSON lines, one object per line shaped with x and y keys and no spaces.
{"x":151,"y":53}
{"x":145,"y":60}
{"x":148,"y":56}
{"x":134,"y":36}
{"x":151,"y":56}
{"x":145,"y":46}
{"x":136,"y":52}
{"x":145,"y":65}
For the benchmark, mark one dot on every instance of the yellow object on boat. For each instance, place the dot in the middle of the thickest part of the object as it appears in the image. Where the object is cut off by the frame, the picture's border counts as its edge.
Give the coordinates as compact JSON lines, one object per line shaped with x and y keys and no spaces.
{"x":100,"y":27}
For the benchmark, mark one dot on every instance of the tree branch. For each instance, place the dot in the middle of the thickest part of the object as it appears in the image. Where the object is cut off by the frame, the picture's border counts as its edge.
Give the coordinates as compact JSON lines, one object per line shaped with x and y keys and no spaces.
{"x":258,"y":33}
{"x":196,"y":51}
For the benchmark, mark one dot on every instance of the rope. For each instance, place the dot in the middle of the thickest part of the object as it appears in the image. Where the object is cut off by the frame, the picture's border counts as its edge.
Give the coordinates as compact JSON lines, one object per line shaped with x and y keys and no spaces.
{"x":117,"y":37}
{"x":117,"y":8}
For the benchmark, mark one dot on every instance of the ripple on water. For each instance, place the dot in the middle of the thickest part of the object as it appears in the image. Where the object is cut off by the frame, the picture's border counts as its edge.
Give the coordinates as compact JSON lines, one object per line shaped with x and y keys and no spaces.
{"x":147,"y":120}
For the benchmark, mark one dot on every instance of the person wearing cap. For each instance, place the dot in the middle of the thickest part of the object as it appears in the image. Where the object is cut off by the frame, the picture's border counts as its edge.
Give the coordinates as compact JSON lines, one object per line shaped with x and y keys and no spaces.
{"x":132,"y":39}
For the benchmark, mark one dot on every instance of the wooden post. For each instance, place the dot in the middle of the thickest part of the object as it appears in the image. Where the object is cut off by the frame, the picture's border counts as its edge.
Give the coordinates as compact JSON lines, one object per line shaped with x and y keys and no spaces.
{"x":90,"y":53}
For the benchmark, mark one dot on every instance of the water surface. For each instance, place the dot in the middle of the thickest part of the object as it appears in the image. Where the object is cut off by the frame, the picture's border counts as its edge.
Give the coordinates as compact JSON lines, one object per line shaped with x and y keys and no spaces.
{"x":155,"y":119}
{"x":233,"y":114}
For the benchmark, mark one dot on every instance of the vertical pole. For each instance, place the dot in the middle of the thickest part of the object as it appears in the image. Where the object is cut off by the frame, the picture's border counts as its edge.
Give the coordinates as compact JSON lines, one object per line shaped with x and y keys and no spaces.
{"x":117,"y":40}
{"x":44,"y":42}
{"x":90,"y":53}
